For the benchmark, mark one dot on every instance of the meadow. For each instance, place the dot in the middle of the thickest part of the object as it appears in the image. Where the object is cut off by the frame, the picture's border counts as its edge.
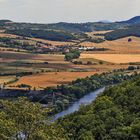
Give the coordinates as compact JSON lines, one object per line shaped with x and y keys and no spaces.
{"x":41,"y":81}
{"x":114,"y":58}
{"x":120,"y":46}
{"x":48,"y":69}
{"x":52,"y":70}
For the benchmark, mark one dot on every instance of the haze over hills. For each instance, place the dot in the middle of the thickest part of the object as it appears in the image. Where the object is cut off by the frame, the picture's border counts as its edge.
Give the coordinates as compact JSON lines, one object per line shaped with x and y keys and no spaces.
{"x":77,"y":27}
{"x":72,"y":31}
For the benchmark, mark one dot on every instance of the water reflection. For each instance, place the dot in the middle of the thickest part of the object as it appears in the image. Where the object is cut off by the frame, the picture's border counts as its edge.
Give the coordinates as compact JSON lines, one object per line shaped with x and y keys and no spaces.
{"x":87,"y":99}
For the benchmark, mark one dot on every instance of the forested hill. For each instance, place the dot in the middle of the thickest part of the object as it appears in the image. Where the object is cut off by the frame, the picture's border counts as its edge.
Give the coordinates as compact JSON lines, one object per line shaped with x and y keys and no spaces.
{"x":134,"y":20}
{"x":71,"y":27}
{"x":63,"y":31}
{"x":115,"y":115}
{"x":121,"y":33}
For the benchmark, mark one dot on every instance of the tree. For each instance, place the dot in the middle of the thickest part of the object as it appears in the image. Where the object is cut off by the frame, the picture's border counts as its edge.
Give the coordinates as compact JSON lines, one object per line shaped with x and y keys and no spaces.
{"x":26,"y":120}
{"x":74,"y":54}
{"x":129,"y":39}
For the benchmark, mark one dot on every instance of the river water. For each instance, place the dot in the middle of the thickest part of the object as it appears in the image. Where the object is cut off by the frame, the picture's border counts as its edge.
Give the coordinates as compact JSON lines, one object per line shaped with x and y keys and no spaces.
{"x":87,"y":99}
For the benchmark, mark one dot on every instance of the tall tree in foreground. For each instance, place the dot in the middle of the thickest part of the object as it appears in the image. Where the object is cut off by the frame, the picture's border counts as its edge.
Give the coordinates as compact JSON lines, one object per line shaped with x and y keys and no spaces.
{"x":22,"y":119}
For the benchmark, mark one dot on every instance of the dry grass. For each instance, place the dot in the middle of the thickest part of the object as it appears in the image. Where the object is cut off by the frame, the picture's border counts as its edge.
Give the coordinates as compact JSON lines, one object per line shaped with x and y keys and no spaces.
{"x":114,"y":58}
{"x":51,"y":79}
{"x":94,"y":33}
{"x":118,"y":46}
{"x":7,"y":35}
{"x":55,"y":43}
{"x":5,"y":79}
{"x":120,"y":52}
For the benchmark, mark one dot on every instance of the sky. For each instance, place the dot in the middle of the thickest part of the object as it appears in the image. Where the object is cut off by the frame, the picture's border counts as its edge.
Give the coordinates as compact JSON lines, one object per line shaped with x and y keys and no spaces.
{"x":52,"y":11}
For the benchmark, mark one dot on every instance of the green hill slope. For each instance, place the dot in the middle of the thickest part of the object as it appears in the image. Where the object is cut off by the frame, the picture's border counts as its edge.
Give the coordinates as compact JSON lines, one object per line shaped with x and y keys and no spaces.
{"x":114,"y":115}
{"x":120,"y":33}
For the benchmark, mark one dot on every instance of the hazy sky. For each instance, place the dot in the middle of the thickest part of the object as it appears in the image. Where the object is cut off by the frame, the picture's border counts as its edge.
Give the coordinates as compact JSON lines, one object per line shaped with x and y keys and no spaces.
{"x":48,"y":11}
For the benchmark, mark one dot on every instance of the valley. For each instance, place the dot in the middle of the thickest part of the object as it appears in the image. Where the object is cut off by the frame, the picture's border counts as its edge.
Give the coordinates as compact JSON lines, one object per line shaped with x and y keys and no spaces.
{"x":120,"y":54}
{"x":52,"y":76}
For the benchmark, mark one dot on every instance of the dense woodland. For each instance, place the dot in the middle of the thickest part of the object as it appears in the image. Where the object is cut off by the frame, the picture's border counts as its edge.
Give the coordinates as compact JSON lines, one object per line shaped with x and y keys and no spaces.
{"x":115,"y":115}
{"x":68,"y":27}
{"x":120,"y":33}
{"x":67,"y":94}
{"x":73,"y":31}
{"x":53,"y":35}
{"x":24,"y":120}
{"x":44,"y":34}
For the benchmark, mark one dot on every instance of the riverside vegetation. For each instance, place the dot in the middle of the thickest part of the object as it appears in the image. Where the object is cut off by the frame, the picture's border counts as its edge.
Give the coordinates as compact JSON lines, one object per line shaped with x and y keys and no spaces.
{"x":113,"y":115}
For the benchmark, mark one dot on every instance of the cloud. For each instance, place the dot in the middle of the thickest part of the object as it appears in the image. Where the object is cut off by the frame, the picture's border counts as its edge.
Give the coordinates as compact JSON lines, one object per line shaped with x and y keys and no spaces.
{"x":68,"y":10}
{"x":2,"y":1}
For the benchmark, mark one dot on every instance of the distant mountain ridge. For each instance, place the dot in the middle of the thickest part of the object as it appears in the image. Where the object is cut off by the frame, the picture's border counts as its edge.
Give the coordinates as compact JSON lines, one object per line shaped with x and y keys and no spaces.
{"x":134,"y":20}
{"x":63,"y":31}
{"x":3,"y":22}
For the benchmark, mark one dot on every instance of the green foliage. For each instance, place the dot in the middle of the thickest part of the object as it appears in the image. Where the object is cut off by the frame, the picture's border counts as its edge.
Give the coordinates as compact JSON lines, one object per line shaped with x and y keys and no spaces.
{"x":69,"y":27}
{"x":3,"y":22}
{"x":74,"y":54}
{"x":26,"y":120}
{"x":44,"y":34}
{"x":18,"y":44}
{"x":79,"y":88}
{"x":120,"y":33}
{"x":113,"y":115}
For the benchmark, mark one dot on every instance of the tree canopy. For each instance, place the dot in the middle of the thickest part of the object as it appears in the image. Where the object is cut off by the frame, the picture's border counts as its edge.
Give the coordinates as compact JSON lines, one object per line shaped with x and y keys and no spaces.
{"x":25,"y":120}
{"x":115,"y":115}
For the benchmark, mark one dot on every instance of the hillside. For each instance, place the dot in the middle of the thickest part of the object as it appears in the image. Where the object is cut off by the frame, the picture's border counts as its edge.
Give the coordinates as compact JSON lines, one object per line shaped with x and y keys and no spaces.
{"x":114,"y":115}
{"x":72,"y":31}
{"x":3,"y":22}
{"x":121,"y":33}
{"x":134,"y":20}
{"x":44,"y":34}
{"x":68,"y":27}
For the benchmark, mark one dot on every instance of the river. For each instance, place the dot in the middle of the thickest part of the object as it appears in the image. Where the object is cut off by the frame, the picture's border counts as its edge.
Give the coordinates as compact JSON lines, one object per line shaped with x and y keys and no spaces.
{"x":87,"y":99}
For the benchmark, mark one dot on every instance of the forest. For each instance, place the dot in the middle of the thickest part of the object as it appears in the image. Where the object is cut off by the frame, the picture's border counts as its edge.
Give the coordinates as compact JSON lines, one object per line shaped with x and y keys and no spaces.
{"x":115,"y":115}
{"x":44,"y":34}
{"x":67,"y":94}
{"x":126,"y":32}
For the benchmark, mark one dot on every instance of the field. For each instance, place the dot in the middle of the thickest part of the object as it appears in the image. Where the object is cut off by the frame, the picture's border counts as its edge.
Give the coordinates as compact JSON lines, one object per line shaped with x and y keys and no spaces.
{"x":5,"y":79}
{"x":8,"y":35}
{"x":120,"y":46}
{"x":55,"y":43}
{"x":49,"y":69}
{"x":51,"y":79}
{"x":52,"y":69}
{"x":114,"y":58}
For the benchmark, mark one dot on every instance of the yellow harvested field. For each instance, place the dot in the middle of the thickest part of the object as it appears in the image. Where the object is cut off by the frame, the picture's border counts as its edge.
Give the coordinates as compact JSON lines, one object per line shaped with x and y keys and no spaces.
{"x":114,"y":58}
{"x":118,"y":46}
{"x":55,"y":43}
{"x":101,"y":32}
{"x":5,"y":79}
{"x":51,"y":79}
{"x":8,"y":35}
{"x":92,"y":34}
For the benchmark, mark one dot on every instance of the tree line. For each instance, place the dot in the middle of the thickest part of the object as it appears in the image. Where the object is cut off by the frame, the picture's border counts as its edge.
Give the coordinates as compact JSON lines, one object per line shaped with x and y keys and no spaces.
{"x":114,"y":115}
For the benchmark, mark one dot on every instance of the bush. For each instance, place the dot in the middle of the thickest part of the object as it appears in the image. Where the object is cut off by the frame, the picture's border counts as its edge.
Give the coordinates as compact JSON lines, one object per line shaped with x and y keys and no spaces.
{"x":74,"y":54}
